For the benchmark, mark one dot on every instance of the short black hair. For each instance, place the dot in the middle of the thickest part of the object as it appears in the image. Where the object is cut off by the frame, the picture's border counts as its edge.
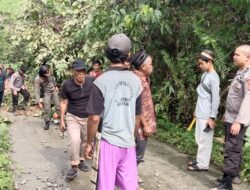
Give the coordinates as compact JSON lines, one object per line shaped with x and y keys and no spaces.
{"x":96,"y":61}
{"x":116,"y":56}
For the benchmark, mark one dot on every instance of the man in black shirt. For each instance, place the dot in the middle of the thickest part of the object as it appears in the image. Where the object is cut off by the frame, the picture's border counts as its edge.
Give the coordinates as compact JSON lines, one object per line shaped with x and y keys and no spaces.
{"x":74,"y":98}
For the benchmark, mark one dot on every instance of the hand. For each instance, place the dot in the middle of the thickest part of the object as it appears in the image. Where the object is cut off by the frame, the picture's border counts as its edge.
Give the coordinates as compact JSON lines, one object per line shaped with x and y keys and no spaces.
{"x":223,"y":118}
{"x":235,"y":129}
{"x":62,"y":126}
{"x":40,"y":105}
{"x":147,"y":131}
{"x":88,"y":151}
{"x":56,"y":89}
{"x":15,"y":93}
{"x":211,"y":123}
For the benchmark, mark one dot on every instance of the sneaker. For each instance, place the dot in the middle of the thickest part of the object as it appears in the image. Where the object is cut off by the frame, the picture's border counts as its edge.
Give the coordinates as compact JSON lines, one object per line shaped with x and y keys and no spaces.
{"x":46,"y":127}
{"x":83,"y":167}
{"x":72,"y":173}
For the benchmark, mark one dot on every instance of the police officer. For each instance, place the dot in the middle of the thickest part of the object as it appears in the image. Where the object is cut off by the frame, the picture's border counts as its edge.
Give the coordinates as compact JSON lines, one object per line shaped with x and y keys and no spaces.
{"x":44,"y":80}
{"x":237,"y":117}
{"x":18,"y":87}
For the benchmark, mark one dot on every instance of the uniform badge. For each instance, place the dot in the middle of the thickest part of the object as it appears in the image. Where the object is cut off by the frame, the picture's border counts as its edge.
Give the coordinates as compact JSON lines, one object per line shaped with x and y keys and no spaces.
{"x":248,"y":84}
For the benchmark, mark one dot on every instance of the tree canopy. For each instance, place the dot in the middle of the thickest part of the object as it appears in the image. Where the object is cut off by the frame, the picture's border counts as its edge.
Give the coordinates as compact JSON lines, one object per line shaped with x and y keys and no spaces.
{"x":174,"y":32}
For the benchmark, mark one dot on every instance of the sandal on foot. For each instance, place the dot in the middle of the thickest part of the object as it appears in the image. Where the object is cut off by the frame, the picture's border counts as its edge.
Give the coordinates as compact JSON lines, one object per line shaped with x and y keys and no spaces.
{"x":191,"y":163}
{"x":195,"y":168}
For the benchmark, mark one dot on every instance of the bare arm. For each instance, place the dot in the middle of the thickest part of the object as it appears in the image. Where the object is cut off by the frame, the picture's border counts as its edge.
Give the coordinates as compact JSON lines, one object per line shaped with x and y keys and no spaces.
{"x":63,"y":108}
{"x":93,"y":122}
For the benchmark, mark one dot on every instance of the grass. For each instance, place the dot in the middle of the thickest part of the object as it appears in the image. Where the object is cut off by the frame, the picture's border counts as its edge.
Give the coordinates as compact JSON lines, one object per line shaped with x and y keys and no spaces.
{"x":6,"y":179}
{"x":184,"y":141}
{"x":10,"y":6}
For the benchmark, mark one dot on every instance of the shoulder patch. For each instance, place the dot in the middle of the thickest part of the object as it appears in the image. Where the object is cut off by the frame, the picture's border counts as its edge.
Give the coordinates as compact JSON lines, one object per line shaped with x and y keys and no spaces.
{"x":248,"y":84}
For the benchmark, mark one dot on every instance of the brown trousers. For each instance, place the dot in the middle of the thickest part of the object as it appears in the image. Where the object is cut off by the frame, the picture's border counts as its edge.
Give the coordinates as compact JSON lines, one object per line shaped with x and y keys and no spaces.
{"x":77,"y":129}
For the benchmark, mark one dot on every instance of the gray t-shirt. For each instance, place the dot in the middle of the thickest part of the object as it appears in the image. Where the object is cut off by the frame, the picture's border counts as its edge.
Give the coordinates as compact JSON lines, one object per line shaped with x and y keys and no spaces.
{"x":120,"y":90}
{"x":208,"y":96}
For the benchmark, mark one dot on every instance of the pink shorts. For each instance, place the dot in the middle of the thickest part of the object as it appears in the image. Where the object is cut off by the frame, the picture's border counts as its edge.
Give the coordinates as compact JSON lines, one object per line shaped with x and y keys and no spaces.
{"x":117,"y":167}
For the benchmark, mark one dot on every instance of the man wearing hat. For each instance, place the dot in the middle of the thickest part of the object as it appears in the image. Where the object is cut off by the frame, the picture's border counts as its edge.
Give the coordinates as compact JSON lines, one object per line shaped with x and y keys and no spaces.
{"x":74,"y":98}
{"x":18,"y":87}
{"x":143,"y":64}
{"x":116,"y":100}
{"x":44,"y":80}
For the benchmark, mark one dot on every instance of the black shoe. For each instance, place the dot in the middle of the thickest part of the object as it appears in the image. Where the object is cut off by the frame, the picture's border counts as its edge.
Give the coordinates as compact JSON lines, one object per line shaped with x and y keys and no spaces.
{"x":72,"y":173}
{"x":236,"y":180}
{"x":46,"y":127}
{"x":225,"y":184}
{"x":83,"y":167}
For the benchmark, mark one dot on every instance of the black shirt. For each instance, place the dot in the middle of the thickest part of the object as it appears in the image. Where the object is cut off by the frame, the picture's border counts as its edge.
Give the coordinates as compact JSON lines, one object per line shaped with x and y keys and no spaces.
{"x":78,"y":96}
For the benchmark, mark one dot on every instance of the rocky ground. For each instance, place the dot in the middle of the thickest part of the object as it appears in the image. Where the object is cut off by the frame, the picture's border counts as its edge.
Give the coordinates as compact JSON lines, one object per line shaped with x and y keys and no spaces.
{"x":40,"y":161}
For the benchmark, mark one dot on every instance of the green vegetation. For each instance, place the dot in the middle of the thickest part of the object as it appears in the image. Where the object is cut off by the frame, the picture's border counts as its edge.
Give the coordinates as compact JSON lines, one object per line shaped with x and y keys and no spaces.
{"x":246,"y":164}
{"x":184,"y":140}
{"x":10,"y":6}
{"x":6,"y":180}
{"x":173,"y":31}
{"x":8,"y":13}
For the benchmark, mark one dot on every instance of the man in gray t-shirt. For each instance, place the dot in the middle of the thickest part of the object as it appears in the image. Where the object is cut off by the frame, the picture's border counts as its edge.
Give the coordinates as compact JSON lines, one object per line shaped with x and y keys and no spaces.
{"x":206,"y":111}
{"x":116,"y":98}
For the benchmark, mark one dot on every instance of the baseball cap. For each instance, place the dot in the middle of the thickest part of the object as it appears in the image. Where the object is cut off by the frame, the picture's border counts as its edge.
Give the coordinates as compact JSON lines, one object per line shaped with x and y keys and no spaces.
{"x":79,"y":65}
{"x":120,"y":42}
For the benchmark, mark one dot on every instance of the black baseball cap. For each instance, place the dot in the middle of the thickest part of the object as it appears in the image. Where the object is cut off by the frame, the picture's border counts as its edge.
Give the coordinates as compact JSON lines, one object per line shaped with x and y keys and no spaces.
{"x":79,"y":65}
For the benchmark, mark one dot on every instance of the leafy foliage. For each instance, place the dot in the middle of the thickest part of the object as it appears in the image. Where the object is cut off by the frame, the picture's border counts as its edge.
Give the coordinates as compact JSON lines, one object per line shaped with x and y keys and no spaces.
{"x":184,"y":140}
{"x":6,"y":180}
{"x":173,"y":31}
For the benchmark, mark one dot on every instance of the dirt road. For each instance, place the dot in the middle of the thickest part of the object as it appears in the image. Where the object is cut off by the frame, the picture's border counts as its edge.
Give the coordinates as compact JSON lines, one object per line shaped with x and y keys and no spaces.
{"x":40,"y":162}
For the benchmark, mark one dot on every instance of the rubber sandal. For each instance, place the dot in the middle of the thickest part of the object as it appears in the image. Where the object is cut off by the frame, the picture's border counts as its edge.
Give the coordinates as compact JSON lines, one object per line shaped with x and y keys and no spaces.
{"x":191,"y":163}
{"x":195,"y":168}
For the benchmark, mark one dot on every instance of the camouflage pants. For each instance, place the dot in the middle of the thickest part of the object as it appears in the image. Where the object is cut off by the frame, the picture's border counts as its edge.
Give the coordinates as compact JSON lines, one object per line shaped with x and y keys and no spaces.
{"x":48,"y":98}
